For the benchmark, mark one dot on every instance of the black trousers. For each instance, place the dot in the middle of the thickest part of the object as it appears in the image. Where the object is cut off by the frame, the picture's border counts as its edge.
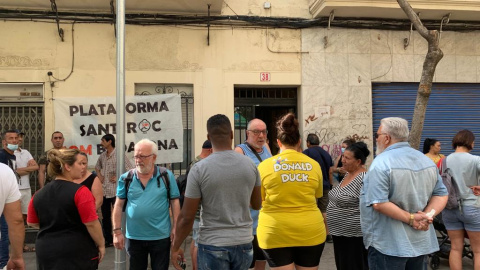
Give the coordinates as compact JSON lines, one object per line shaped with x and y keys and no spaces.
{"x":107,"y":219}
{"x":350,"y":253}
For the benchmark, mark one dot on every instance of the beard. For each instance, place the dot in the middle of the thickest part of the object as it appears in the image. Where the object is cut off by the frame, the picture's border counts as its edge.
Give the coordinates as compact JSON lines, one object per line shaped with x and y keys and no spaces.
{"x":143,"y":169}
{"x":379,"y":150}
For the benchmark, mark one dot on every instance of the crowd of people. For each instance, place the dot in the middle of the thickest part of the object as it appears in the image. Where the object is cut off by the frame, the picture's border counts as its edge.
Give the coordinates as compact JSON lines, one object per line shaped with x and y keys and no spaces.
{"x":246,"y":207}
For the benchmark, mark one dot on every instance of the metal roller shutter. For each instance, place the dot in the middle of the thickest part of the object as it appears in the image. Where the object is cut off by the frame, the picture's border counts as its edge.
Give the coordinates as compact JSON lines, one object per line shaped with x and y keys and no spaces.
{"x":451,"y":108}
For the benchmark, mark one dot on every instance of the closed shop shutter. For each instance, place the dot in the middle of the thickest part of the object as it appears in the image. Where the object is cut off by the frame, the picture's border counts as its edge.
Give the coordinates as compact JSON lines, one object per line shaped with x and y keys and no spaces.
{"x":451,"y":108}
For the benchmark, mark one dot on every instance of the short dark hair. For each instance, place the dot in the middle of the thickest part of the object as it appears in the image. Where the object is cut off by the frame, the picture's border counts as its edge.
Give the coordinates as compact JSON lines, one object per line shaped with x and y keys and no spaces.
{"x":207,"y":145}
{"x":313,"y":139}
{"x":287,"y":130}
{"x":219,"y":129}
{"x":428,"y":143}
{"x":8,"y":131}
{"x":348,"y":142}
{"x":463,"y":138}
{"x":109,"y":137}
{"x":56,"y":132}
{"x":359,"y":150}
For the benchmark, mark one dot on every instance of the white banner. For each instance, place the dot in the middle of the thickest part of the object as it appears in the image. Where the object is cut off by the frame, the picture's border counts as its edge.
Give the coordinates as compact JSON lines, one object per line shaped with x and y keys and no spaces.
{"x":84,"y":121}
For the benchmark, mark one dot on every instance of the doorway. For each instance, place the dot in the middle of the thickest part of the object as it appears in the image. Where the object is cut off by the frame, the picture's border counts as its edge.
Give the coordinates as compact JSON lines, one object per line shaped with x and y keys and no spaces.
{"x":267,"y":104}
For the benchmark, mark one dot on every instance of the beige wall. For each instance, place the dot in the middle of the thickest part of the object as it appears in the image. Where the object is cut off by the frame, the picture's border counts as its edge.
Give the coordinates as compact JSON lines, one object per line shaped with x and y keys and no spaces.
{"x":340,"y":76}
{"x":154,"y":54}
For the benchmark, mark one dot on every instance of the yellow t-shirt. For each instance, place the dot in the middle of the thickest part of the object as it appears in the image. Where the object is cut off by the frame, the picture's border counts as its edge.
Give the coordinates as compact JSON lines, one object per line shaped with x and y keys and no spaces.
{"x":291,"y":182}
{"x":437,"y":158}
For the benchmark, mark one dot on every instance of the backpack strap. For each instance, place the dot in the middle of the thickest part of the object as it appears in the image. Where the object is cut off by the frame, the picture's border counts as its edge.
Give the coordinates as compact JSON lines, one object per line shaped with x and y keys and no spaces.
{"x":443,"y":165}
{"x":166,"y":181}
{"x":162,"y":173}
{"x":128,"y":181}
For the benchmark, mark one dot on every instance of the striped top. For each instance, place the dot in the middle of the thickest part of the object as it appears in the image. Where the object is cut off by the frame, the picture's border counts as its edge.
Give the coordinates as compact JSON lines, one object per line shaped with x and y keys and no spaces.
{"x":343,"y":212}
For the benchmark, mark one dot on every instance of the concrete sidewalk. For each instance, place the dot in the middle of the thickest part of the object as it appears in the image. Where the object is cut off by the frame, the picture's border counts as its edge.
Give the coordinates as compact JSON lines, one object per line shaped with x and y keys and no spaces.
{"x":327,"y":261}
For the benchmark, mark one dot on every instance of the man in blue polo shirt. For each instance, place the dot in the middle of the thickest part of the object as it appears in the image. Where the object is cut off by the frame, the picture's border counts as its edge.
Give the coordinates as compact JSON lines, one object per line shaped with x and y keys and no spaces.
{"x":148,"y":230}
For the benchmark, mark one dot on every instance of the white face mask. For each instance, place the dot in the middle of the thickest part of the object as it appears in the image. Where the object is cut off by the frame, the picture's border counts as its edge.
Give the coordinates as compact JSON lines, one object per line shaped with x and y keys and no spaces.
{"x":12,"y":147}
{"x":343,"y":150}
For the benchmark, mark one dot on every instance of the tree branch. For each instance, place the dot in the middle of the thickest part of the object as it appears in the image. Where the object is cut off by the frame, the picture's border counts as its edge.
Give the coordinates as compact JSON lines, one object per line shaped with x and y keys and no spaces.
{"x":434,"y":55}
{"x":413,"y":16}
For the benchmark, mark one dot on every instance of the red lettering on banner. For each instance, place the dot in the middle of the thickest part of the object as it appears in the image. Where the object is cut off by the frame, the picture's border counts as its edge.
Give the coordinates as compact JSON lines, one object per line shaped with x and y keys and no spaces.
{"x":87,"y":150}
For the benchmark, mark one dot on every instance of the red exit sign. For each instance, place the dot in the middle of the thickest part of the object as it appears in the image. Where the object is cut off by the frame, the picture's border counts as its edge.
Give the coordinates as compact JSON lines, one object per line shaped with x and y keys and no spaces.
{"x":265,"y":76}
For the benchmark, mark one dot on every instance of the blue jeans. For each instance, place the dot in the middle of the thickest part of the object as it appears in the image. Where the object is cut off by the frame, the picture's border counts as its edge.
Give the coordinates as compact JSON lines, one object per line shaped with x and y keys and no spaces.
{"x":4,"y":256}
{"x":379,"y":261}
{"x":138,"y":250}
{"x":230,"y":257}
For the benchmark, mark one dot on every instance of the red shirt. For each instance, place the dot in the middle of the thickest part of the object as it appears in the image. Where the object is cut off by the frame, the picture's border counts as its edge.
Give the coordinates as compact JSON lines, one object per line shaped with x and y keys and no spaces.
{"x":84,"y":201}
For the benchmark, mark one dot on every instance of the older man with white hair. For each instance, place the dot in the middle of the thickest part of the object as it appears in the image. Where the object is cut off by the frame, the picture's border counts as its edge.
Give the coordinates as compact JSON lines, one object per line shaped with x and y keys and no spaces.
{"x":401,"y":193}
{"x":147,"y":192}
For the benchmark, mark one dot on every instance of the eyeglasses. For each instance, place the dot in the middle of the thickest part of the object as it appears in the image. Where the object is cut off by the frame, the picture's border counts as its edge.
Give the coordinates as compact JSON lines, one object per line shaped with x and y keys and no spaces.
{"x":376,"y":135}
{"x":142,"y":157}
{"x":257,"y":132}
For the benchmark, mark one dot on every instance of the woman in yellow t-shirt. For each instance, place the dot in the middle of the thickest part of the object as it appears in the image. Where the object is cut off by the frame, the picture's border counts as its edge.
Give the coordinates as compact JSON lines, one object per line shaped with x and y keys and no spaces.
{"x":291,"y":230}
{"x":431,"y":149}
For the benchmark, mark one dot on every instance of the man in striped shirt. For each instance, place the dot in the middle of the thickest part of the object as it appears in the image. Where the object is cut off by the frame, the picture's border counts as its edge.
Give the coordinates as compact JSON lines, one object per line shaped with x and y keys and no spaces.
{"x":106,"y":169}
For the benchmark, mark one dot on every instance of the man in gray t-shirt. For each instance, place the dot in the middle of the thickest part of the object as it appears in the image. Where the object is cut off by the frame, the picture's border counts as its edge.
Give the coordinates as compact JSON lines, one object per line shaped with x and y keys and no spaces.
{"x":225,"y":184}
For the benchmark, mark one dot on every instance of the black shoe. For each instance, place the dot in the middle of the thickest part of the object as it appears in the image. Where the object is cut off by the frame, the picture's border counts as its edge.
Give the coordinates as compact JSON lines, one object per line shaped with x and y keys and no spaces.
{"x":329,"y":239}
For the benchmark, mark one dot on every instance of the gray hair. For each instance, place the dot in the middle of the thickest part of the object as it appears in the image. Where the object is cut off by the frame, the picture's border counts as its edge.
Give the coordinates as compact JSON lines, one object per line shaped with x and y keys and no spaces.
{"x":149,"y":142}
{"x":395,"y":127}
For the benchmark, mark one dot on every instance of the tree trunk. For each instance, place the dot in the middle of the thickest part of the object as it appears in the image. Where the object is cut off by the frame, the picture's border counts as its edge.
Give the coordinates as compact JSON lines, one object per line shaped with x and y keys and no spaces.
{"x":434,"y":55}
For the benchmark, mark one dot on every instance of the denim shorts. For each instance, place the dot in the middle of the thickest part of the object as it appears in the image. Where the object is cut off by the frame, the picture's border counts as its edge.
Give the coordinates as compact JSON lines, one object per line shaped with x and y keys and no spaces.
{"x":468,"y":220}
{"x":236,"y":257}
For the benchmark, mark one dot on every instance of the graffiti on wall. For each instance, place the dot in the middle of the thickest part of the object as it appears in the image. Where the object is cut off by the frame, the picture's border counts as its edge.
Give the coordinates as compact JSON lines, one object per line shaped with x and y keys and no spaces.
{"x":332,"y":143}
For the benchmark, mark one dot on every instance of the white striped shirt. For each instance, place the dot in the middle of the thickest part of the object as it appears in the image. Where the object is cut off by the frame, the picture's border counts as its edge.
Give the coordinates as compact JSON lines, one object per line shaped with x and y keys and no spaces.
{"x":343,"y":212}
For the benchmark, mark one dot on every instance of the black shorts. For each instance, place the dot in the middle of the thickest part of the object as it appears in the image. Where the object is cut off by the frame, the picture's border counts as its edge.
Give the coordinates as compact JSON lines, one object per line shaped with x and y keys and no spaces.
{"x":301,"y":256}
{"x":322,"y":202}
{"x":257,"y":252}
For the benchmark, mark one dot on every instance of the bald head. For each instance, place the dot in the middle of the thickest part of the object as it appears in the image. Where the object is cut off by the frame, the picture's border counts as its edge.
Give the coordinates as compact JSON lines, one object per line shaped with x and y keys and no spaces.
{"x":256,"y":133}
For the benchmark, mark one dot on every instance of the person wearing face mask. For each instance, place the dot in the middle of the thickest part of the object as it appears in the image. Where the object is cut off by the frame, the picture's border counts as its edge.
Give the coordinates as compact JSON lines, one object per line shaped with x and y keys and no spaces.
{"x":7,"y":157}
{"x":25,"y":166}
{"x":337,"y":164}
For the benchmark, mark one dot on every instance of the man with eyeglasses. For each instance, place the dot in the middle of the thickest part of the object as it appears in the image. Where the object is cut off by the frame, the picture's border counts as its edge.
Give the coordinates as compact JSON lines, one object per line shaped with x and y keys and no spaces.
{"x":401,"y":193}
{"x":256,"y":149}
{"x":106,"y":169}
{"x":57,"y":142}
{"x":149,"y":230}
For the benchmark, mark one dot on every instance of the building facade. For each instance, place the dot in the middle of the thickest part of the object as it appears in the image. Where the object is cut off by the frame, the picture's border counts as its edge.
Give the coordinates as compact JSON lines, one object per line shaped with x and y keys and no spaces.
{"x":262,"y":60}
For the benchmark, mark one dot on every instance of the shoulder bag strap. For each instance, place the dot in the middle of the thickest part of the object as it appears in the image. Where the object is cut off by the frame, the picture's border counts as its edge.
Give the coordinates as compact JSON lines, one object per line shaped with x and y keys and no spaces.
{"x":254,"y":151}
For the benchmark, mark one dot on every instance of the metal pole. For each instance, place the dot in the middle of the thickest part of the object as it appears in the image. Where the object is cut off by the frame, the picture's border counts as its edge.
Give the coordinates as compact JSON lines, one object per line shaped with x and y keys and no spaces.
{"x":120,"y":255}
